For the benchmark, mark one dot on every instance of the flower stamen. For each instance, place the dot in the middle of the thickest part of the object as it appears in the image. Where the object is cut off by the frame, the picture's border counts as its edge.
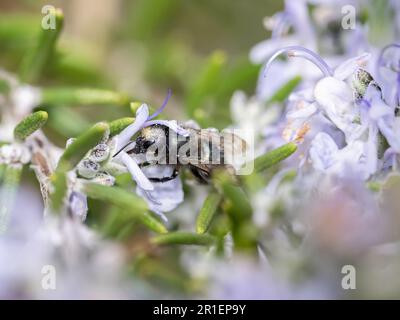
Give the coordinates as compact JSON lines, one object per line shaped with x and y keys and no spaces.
{"x":301,"y":52}
{"x":164,"y":104}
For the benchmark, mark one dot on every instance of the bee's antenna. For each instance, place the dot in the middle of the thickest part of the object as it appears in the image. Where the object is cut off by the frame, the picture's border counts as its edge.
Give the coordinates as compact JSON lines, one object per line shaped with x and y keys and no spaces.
{"x":120,"y":150}
{"x":155,"y":114}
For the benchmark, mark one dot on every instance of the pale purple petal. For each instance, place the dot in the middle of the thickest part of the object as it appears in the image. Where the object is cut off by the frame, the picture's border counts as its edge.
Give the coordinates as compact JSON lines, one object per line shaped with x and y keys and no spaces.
{"x":323,"y":151}
{"x":263,"y":50}
{"x":390,"y":159}
{"x":166,"y":196}
{"x":347,"y":68}
{"x":125,"y":136}
{"x":388,"y":68}
{"x":266,"y":88}
{"x":372,"y":150}
{"x":281,"y":24}
{"x":391,"y":135}
{"x":172,"y":124}
{"x":336,"y":99}
{"x":136,"y":173}
{"x":78,"y":204}
{"x":299,"y":16}
{"x":301,"y":52}
{"x":155,"y":114}
{"x":303,"y":112}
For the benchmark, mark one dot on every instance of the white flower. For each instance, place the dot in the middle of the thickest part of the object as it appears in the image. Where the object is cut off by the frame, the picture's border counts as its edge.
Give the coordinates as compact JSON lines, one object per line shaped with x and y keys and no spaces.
{"x":248,"y":279}
{"x":15,"y":104}
{"x":165,"y":196}
{"x":346,"y":101}
{"x":78,"y":204}
{"x":14,"y":153}
{"x":85,"y":267}
{"x":388,"y":65}
{"x":325,"y":156}
{"x":323,"y":152}
{"x":25,"y":98}
{"x":251,"y":117}
{"x":295,"y":15}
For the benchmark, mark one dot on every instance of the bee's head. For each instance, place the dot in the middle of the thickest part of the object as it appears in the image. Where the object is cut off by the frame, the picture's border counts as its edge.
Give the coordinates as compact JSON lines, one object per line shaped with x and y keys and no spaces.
{"x":154,"y":136}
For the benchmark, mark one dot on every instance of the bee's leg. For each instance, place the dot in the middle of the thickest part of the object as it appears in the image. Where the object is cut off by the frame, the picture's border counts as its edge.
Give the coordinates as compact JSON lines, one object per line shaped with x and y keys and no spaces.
{"x":144,"y":164}
{"x":200,"y":175}
{"x":165,"y":179}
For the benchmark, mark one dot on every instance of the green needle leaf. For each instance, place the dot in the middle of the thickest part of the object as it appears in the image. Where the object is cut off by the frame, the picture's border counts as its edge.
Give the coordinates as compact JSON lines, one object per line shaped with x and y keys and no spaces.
{"x":239,"y":204}
{"x":59,"y":181}
{"x":11,"y":179}
{"x":36,"y":60}
{"x":4,"y":87}
{"x":3,"y":168}
{"x":118,"y":125}
{"x":127,"y":201}
{"x":83,"y":96}
{"x":204,"y":85}
{"x":30,"y":124}
{"x":67,"y":122}
{"x":134,"y":106}
{"x":77,"y":149}
{"x":185,"y":238}
{"x":207,"y":212}
{"x":273,"y":157}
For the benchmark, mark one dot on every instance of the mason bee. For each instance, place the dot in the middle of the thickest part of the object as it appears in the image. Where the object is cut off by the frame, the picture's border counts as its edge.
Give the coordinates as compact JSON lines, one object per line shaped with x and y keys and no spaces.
{"x":201,"y":151}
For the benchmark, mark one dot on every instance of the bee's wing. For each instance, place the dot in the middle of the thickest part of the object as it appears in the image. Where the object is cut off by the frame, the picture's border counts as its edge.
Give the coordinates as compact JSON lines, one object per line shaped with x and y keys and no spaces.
{"x":227,"y":145}
{"x":216,"y":148}
{"x":233,"y":144}
{"x":190,"y":124}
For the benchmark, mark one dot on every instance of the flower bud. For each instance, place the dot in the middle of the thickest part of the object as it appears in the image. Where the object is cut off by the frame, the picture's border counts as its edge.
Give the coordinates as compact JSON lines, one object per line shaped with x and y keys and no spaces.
{"x":100,"y":152}
{"x":106,"y":136}
{"x":88,"y":168}
{"x":14,"y":154}
{"x":104,"y":179}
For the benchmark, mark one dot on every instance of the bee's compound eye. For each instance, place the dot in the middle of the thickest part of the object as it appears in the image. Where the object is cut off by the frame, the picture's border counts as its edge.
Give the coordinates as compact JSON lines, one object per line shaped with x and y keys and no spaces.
{"x":141,"y":145}
{"x":148,"y":143}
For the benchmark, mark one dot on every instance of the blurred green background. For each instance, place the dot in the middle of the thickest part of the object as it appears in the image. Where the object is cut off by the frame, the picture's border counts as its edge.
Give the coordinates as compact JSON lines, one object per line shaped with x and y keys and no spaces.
{"x":199,"y":49}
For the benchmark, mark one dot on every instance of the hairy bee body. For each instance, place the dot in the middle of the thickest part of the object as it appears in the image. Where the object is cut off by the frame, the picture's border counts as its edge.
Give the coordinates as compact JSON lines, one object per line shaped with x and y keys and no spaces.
{"x":201,"y":151}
